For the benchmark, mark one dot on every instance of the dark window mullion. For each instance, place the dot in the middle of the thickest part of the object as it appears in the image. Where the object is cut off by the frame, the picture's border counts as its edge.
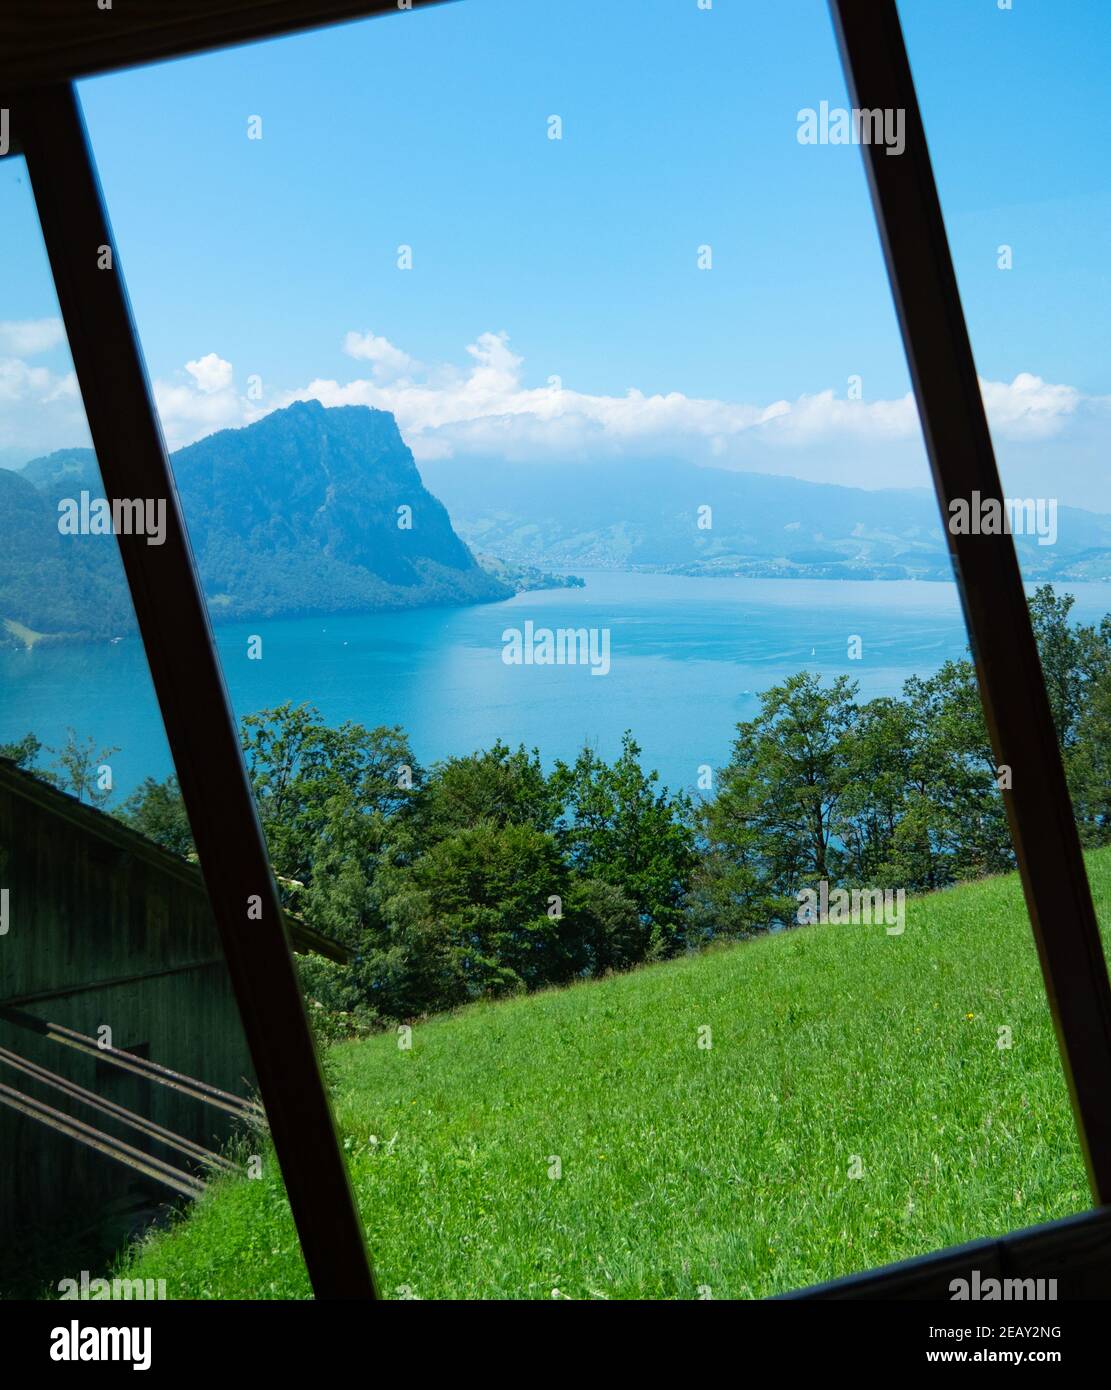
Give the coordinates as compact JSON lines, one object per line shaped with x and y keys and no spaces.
{"x":184,"y":667}
{"x":1012,"y":687}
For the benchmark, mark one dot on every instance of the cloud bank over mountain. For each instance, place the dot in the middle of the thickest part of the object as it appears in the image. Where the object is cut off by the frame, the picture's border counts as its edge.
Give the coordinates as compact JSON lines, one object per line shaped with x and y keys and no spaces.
{"x":483,"y":407}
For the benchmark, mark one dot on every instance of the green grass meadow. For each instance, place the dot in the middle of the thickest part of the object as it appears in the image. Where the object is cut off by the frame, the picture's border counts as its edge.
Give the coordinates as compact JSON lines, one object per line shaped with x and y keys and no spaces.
{"x":688,"y":1171}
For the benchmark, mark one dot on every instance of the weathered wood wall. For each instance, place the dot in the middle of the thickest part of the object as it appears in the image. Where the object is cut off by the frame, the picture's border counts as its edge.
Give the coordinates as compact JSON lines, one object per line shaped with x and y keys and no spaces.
{"x":104,"y":928}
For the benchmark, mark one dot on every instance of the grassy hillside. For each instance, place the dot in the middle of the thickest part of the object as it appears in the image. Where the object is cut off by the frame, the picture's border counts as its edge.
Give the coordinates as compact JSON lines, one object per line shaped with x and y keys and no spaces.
{"x":685,"y":1167}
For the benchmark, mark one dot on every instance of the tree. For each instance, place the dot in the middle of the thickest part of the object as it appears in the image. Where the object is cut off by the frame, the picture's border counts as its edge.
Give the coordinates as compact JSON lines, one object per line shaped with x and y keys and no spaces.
{"x":1063,"y":650}
{"x":771,"y":829}
{"x":79,"y":769}
{"x":499,"y":786}
{"x":156,"y":810}
{"x":620,"y":827}
{"x":956,"y":779}
{"x":1076,"y":662}
{"x":25,"y":754}
{"x":491,"y":899}
{"x":325,"y":791}
{"x":488,"y":876}
{"x":886,"y":842}
{"x":608,"y":932}
{"x":1088,"y":764}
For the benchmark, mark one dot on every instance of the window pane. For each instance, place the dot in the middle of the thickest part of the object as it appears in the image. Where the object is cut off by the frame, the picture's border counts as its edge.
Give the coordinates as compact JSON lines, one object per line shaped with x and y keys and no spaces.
{"x":1027,"y":230}
{"x":126,"y":1086}
{"x":551,"y":435}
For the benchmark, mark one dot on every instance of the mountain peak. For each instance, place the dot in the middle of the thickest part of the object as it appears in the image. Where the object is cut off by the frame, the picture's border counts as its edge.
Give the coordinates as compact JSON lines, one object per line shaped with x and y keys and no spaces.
{"x":310,"y":509}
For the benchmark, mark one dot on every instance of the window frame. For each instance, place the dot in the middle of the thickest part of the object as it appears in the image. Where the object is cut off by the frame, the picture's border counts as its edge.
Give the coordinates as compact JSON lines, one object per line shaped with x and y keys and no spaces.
{"x":42,"y":58}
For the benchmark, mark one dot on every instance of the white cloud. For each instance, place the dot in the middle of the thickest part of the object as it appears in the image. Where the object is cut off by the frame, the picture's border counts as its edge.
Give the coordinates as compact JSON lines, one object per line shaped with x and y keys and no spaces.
{"x":29,"y":337}
{"x":488,"y":409}
{"x":483,"y":408}
{"x":188,"y":414}
{"x":388,"y":361}
{"x":1029,"y":408}
{"x":211,"y":373}
{"x":40,"y":410}
{"x":20,"y":382}
{"x":202,"y":399}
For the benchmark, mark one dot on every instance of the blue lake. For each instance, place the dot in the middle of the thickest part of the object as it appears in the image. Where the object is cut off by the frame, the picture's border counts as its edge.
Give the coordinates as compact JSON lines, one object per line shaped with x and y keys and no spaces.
{"x":688,"y":657}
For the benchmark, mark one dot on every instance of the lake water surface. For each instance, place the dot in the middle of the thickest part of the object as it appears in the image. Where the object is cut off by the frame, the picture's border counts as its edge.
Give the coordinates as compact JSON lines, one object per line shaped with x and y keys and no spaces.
{"x":688,"y":657}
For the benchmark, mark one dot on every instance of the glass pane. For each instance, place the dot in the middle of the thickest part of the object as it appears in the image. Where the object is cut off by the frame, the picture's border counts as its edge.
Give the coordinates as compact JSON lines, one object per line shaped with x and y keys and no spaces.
{"x":1027,"y":230}
{"x":530,"y":447}
{"x":126,"y":1086}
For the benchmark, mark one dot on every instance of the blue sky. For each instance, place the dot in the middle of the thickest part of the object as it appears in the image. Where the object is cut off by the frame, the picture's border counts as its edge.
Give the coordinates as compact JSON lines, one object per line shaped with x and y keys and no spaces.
{"x":577,"y":258}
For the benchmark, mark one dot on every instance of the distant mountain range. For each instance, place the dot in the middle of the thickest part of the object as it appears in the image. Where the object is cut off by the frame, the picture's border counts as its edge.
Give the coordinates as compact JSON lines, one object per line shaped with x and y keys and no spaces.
{"x":647,"y":516}
{"x":307,"y":511}
{"x":314,"y":510}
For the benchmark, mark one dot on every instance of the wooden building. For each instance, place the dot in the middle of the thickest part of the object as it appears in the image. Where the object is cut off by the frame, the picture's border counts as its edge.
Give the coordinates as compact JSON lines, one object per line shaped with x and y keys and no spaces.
{"x":110,"y":939}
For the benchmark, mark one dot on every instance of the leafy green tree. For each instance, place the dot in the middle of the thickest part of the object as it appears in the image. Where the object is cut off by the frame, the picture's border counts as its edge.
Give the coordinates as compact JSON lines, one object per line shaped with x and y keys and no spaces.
{"x":957,"y":780}
{"x":619,"y":826}
{"x":772,"y":828}
{"x":411,"y":968}
{"x":501,"y":786}
{"x":607,"y":933}
{"x":493,"y":897}
{"x":1065,"y":654}
{"x":1088,"y":765}
{"x":1076,"y":662}
{"x":329,"y":799}
{"x":883,"y":785}
{"x":25,"y":754}
{"x":156,"y":810}
{"x":322,"y":791}
{"x":77,"y":769}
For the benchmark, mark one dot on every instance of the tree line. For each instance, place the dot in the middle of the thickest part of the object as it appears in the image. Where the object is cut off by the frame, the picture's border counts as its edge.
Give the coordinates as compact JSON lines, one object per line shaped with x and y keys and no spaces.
{"x":487,"y":874}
